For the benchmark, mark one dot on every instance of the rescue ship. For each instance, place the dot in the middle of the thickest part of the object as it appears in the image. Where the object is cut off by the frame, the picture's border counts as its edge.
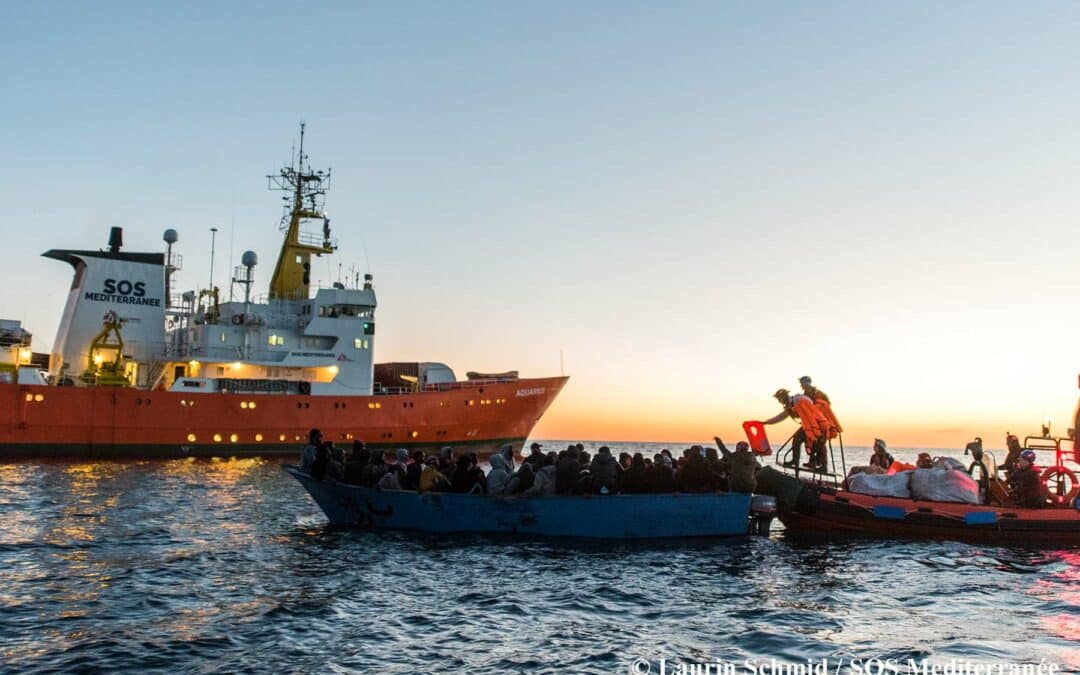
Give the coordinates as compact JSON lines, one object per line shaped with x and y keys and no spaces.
{"x":138,"y":371}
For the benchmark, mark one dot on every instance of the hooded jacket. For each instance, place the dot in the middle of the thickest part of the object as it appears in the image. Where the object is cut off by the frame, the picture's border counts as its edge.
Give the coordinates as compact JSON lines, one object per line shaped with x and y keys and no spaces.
{"x":507,"y":452}
{"x":498,"y":478}
{"x":543,"y":482}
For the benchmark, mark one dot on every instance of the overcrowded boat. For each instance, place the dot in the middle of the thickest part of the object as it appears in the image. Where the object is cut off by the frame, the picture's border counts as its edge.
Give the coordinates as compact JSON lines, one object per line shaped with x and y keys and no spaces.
{"x":565,"y":494}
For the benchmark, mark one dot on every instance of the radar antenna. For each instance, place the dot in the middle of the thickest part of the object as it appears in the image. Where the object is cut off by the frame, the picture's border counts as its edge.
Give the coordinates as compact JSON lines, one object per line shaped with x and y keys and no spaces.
{"x":292,"y":274}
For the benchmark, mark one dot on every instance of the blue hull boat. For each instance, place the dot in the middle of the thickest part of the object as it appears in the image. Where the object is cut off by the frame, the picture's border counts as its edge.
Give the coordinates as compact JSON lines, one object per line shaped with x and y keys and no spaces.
{"x":722,"y":514}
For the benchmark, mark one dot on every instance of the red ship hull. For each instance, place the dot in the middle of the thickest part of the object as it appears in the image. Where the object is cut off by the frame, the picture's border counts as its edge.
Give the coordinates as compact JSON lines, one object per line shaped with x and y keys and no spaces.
{"x":100,"y":422}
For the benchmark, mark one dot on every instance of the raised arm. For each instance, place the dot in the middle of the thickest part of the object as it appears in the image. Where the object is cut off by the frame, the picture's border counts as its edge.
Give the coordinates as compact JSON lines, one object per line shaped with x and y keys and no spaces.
{"x":724,"y":452}
{"x":779,"y":418}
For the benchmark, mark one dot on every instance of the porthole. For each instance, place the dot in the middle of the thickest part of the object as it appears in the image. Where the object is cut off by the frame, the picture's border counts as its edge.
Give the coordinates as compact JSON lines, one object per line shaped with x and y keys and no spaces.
{"x":233,"y":438}
{"x":258,"y":438}
{"x":191,"y":438}
{"x":217,"y":438}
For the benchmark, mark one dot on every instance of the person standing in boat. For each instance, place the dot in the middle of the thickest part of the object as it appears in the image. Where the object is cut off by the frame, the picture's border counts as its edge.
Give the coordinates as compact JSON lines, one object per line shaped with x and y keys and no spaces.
{"x":821,"y":400}
{"x":813,"y":430}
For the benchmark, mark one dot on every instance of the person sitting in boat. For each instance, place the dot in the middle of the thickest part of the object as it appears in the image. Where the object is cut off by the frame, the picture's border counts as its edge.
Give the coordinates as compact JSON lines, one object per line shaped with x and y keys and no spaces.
{"x":625,"y":460}
{"x":465,"y":479}
{"x":324,"y":467}
{"x":661,"y":478}
{"x":401,"y":458}
{"x":881,"y":457}
{"x":307,"y":456}
{"x":446,"y":461}
{"x":605,"y":472}
{"x":925,"y":461}
{"x":498,"y":478}
{"x":672,"y":464}
{"x":521,"y":481}
{"x":374,"y":471}
{"x":391,"y":480}
{"x":338,"y":453}
{"x":567,"y":471}
{"x":477,"y":472}
{"x":814,"y":428}
{"x":544,"y":480}
{"x":536,"y":456}
{"x":717,"y":467}
{"x":431,"y":479}
{"x":634,"y":480}
{"x":695,"y":475}
{"x":821,"y":400}
{"x":1025,"y":483}
{"x":742,"y":469}
{"x":358,"y":459}
{"x":413,"y":470}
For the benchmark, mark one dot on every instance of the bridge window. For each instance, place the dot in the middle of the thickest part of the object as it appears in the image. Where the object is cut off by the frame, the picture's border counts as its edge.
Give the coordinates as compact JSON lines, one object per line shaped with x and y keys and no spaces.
{"x":345,"y":311}
{"x":275,"y":340}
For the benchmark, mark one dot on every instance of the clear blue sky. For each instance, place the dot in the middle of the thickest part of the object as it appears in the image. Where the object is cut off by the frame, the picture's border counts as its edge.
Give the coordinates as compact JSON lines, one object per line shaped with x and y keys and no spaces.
{"x":697,"y":202}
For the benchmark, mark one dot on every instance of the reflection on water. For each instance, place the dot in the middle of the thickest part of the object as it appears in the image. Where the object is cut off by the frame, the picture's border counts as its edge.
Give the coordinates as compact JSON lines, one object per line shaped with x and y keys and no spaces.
{"x":226,"y":565}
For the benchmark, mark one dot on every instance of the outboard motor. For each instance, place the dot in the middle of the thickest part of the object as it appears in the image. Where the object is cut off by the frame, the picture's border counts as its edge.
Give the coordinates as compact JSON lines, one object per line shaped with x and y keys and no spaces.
{"x":762,"y":512}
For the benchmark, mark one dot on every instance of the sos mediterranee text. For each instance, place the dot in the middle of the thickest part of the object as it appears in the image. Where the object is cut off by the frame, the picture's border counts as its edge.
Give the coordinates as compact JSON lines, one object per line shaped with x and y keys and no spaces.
{"x":124,"y":292}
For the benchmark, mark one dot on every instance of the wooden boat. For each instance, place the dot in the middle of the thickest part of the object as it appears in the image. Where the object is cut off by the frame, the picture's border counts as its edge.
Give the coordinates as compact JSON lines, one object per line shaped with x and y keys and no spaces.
{"x":814,"y":509}
{"x":598,"y":517}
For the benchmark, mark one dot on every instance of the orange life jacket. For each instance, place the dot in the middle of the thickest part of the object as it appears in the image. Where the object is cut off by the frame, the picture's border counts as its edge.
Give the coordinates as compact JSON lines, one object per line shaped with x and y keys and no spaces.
{"x":822,"y":402}
{"x":897,"y":466}
{"x":814,"y":422}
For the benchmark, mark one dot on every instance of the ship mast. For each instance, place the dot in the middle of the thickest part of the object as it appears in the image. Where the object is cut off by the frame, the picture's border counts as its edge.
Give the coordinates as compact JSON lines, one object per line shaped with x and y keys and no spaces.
{"x":292,"y":273}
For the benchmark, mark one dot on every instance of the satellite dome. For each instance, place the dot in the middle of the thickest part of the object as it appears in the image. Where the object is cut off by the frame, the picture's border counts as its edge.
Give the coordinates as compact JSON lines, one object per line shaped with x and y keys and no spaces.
{"x":249,"y":259}
{"x":170,"y":236}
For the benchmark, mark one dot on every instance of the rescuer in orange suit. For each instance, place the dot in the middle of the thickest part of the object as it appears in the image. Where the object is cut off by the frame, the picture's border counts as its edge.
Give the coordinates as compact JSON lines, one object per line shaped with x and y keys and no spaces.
{"x":814,"y":430}
{"x":821,"y":400}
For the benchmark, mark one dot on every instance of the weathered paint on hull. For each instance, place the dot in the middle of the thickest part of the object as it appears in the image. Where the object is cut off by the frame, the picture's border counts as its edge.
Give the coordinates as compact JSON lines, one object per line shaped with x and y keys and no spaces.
{"x":81,"y":422}
{"x":597,"y":517}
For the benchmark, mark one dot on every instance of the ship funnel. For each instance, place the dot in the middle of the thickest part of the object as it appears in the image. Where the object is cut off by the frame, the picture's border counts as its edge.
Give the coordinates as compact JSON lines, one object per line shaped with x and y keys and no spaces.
{"x":116,"y":239}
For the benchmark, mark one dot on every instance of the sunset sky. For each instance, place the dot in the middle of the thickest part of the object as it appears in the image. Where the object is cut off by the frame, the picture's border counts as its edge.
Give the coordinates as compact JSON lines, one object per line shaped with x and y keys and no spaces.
{"x":695,"y":203}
